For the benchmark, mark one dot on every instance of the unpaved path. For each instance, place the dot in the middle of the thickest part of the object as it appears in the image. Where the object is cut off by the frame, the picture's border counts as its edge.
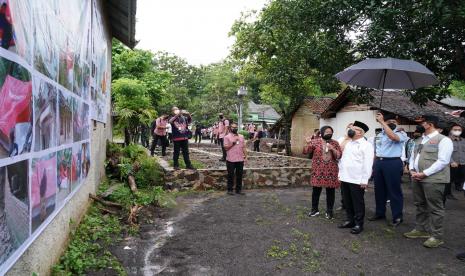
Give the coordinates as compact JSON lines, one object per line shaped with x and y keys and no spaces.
{"x":267,"y":232}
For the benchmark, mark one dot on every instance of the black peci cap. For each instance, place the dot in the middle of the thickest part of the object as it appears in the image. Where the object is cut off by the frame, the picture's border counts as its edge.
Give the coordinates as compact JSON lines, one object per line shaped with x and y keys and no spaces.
{"x":361,"y":125}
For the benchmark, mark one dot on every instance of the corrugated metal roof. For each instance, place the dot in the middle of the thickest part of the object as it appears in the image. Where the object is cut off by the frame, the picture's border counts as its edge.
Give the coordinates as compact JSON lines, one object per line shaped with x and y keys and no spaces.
{"x":122,"y":16}
{"x":453,"y":102}
{"x":263,"y":110}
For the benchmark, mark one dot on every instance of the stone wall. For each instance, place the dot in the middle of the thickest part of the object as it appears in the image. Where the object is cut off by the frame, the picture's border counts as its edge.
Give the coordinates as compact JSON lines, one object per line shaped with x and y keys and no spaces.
{"x":203,"y":179}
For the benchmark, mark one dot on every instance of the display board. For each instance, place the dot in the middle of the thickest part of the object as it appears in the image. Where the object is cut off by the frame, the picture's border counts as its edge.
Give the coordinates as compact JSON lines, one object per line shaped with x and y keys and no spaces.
{"x":54,"y":78}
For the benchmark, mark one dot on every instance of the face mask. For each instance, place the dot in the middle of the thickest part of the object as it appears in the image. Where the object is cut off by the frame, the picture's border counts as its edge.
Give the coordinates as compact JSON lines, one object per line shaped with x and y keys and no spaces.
{"x":234,"y":130}
{"x":456,"y":133}
{"x":392,"y":126}
{"x":351,"y":133}
{"x":327,"y":136}
{"x":221,"y":117}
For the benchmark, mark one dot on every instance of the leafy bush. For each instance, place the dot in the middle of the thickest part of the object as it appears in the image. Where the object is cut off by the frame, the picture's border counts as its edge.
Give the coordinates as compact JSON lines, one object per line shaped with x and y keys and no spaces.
{"x":244,"y":133}
{"x":113,"y":149}
{"x":144,"y":196}
{"x":149,"y":174}
{"x":135,"y":152}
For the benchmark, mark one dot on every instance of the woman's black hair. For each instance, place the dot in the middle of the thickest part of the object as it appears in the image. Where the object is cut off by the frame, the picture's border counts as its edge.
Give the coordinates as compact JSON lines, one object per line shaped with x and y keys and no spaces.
{"x":324,"y":128}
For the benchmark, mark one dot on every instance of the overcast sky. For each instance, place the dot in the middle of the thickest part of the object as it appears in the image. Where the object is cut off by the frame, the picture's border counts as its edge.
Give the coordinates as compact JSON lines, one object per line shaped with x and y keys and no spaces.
{"x":196,"y":30}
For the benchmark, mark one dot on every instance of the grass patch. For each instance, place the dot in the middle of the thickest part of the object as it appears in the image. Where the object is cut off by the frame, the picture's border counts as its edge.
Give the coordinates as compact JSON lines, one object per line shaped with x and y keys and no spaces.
{"x":262,"y":221}
{"x":196,"y":164}
{"x":272,"y":203}
{"x":87,"y":248}
{"x":297,"y":253}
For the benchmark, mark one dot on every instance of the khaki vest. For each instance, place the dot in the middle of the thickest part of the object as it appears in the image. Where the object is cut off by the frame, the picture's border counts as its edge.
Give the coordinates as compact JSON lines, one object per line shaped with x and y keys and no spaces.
{"x":429,"y":155}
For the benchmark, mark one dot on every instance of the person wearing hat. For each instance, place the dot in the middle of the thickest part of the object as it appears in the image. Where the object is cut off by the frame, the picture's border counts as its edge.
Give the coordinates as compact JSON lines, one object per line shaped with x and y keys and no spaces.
{"x":355,"y":170}
{"x":326,"y":153}
{"x":430,"y":170}
{"x":388,"y":168}
{"x":457,"y":162}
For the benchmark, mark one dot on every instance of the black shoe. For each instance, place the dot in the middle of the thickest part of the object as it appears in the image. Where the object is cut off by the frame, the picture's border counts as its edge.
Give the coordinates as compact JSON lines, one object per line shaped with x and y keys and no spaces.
{"x":451,"y":197}
{"x":346,"y":224}
{"x":397,"y":222}
{"x":357,"y":229}
{"x":329,"y":215}
{"x":376,"y":217}
{"x":222,"y":160}
{"x":461,"y":256}
{"x":191,"y":168}
{"x":240,"y":193}
{"x":176,"y":168}
{"x":313,"y":213}
{"x":230,"y":193}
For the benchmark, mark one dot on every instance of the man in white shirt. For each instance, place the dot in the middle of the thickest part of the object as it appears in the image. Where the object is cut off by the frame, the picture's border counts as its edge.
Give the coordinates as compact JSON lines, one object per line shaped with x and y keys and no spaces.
{"x":355,"y":170}
{"x":429,"y":168}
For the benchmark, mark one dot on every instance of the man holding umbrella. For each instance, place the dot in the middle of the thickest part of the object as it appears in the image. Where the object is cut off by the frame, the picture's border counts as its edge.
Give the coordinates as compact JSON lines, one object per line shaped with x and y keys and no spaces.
{"x":388,"y":167}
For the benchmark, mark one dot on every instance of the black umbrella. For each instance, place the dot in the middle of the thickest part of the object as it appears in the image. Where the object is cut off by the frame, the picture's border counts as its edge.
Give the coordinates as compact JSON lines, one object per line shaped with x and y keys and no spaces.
{"x":388,"y":73}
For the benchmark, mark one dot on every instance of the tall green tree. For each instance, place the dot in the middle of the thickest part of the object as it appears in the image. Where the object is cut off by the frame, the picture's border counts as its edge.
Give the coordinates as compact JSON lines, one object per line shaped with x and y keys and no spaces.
{"x":293,"y":53}
{"x":133,"y":107}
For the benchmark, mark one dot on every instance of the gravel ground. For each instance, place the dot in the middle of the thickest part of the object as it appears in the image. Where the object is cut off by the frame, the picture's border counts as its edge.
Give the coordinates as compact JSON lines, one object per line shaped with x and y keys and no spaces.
{"x":267,"y":232}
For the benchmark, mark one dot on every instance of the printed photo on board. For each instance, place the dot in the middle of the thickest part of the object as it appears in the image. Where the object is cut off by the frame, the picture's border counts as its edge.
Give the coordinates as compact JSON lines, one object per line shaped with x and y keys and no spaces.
{"x":45,"y":115}
{"x":63,"y":175}
{"x":15,"y":109}
{"x":76,"y":166}
{"x":65,"y":117}
{"x":14,"y":208}
{"x":46,"y":35}
{"x":15,"y":26}
{"x":85,"y":160}
{"x":43,"y":188}
{"x":81,"y":121}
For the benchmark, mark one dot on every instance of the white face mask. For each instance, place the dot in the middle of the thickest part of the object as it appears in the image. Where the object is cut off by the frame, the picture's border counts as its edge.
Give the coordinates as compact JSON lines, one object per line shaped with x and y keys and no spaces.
{"x":456,"y":132}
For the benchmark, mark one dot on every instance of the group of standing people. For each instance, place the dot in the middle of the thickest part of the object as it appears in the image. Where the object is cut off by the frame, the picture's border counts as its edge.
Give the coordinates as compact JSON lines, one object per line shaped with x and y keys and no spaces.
{"x":179,"y":123}
{"x":352,"y":161}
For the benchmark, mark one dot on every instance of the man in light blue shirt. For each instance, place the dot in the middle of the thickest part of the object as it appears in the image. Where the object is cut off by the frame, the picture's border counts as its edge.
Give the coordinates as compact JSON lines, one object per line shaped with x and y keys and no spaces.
{"x":388,"y":167}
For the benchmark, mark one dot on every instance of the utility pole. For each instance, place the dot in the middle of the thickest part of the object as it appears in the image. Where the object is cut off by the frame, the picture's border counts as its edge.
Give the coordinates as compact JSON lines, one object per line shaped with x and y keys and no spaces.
{"x":241,"y":93}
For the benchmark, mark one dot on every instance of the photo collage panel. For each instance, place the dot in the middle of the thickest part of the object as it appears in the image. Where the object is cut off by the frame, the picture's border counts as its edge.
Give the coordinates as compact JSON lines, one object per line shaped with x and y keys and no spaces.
{"x":53,"y":54}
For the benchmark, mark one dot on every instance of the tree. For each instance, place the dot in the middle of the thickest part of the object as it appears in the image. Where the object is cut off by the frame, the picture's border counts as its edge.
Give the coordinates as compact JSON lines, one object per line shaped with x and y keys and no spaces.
{"x":293,"y":53}
{"x":220,"y":84}
{"x":132,"y":106}
{"x":184,"y":74}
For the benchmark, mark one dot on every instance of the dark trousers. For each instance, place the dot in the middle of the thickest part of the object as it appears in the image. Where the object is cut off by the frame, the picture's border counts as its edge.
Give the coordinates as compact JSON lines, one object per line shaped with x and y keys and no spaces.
{"x":330,"y":195}
{"x":163,"y":142}
{"x":199,"y":135}
{"x":354,"y":202}
{"x":387,"y":177}
{"x":457,"y":177}
{"x":183,"y":146}
{"x":235,"y":169}
{"x":221,"y":142}
{"x":256,"y":145}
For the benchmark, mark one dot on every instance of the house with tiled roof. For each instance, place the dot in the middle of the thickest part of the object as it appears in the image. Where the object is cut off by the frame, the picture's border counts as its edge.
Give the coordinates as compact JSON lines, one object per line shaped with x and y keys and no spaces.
{"x":343,"y":110}
{"x":305,"y":119}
